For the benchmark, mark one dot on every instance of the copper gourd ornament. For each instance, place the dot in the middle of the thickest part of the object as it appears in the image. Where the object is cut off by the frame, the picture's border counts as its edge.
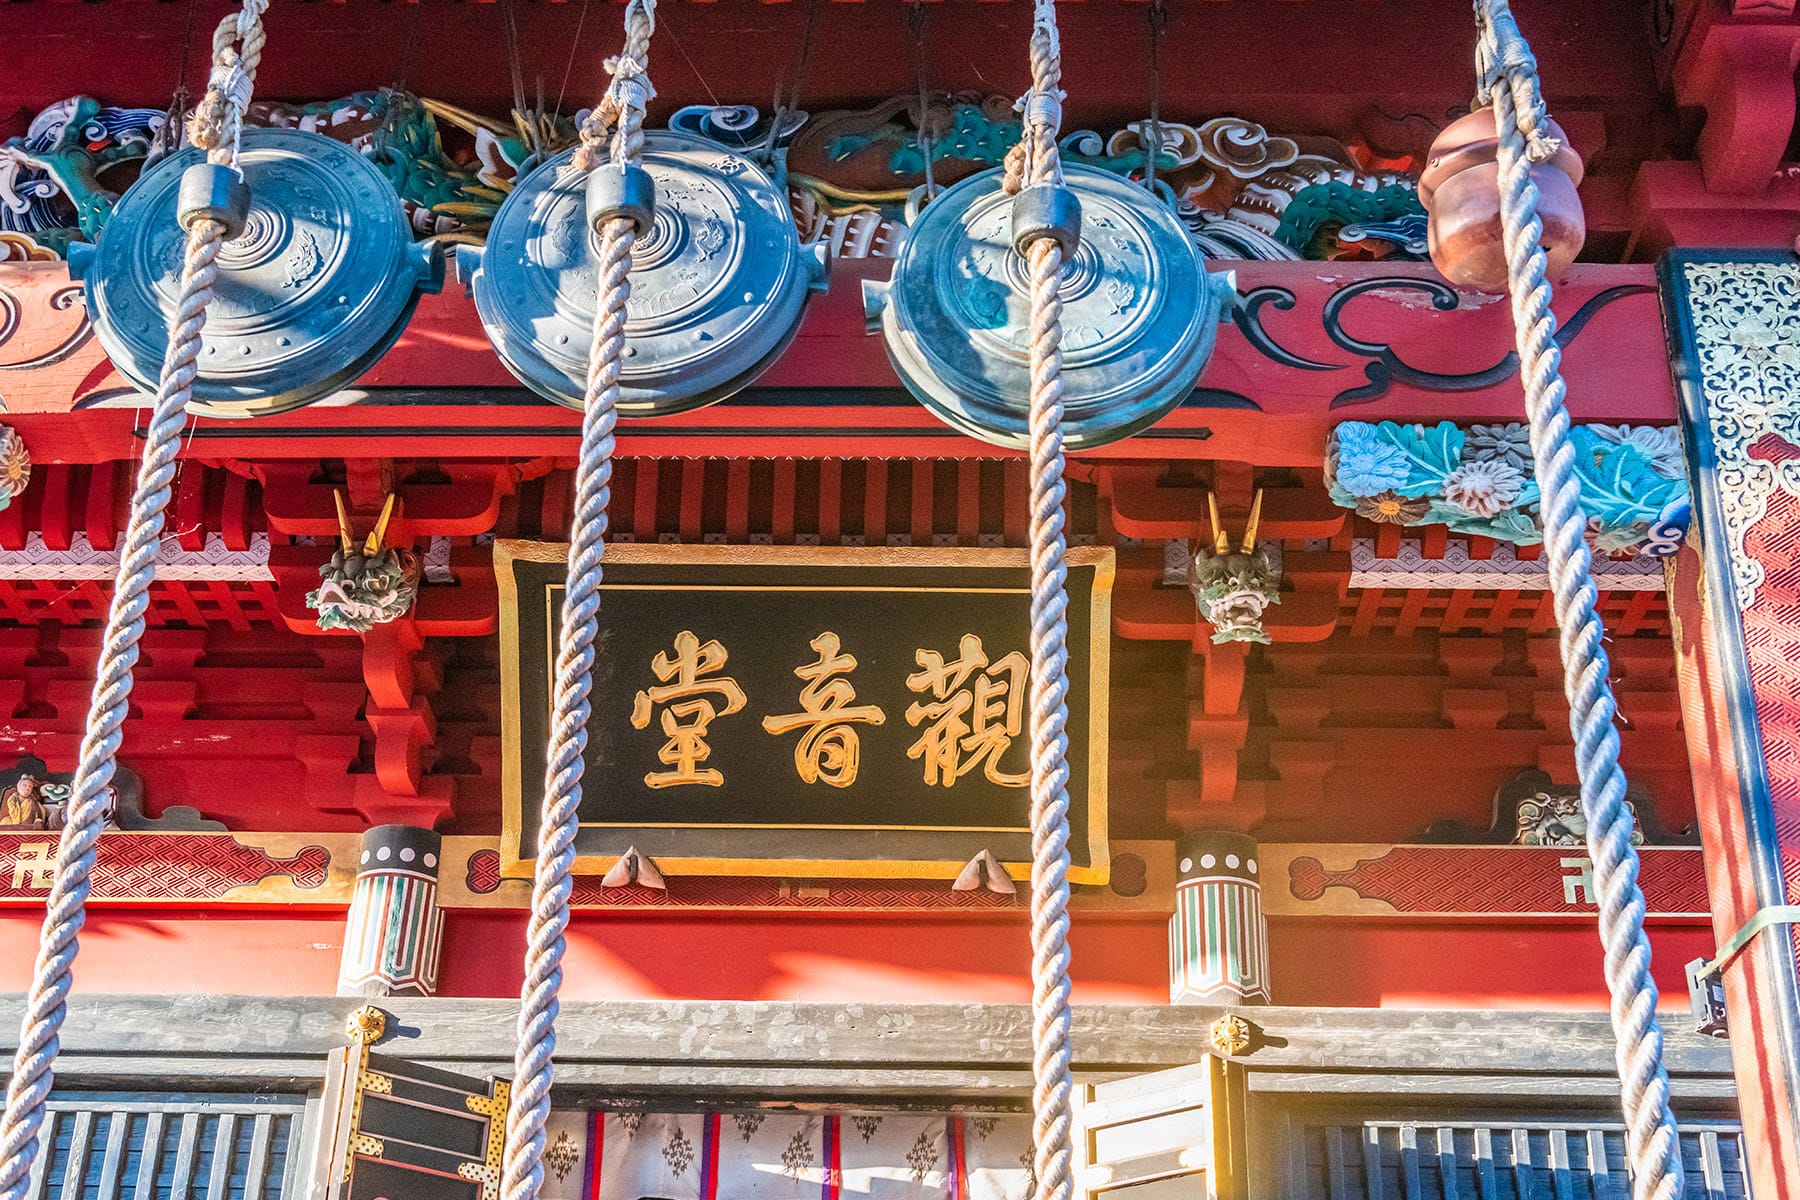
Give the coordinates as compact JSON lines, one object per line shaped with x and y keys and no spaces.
{"x":1460,"y":189}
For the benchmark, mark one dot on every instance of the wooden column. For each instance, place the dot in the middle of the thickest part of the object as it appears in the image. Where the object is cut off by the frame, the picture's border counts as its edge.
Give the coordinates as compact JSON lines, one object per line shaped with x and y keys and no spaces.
{"x":1218,"y":937}
{"x":394,"y":929}
{"x":1734,"y":326}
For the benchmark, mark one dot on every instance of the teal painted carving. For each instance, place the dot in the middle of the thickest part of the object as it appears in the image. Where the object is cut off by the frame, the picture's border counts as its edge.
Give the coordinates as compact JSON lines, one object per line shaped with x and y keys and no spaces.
{"x":1478,"y":481}
{"x":1325,"y":207}
{"x":442,"y":194}
{"x":875,"y":154}
{"x":365,"y":583}
{"x":1121,"y":155}
{"x":966,"y":133}
{"x":60,"y":181}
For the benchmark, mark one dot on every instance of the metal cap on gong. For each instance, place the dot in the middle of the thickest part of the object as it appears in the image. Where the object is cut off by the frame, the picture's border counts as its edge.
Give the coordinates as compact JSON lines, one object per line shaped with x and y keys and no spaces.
{"x":317,"y":286}
{"x":1139,"y":312}
{"x":718,"y":281}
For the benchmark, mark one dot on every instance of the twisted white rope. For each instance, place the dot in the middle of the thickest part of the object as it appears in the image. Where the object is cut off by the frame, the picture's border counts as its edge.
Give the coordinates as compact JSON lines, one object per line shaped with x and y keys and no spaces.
{"x":216,"y":124}
{"x":1509,"y":82}
{"x":1033,"y":162}
{"x":621,"y":115}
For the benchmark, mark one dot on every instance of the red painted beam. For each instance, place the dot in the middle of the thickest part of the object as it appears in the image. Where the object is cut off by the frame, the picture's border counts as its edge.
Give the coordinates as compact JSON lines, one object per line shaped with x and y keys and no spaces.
{"x":1322,"y":343}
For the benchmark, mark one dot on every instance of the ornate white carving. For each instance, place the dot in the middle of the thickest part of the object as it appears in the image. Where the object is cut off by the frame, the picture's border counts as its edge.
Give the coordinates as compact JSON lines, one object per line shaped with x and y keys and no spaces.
{"x":15,"y":466}
{"x":437,"y":561}
{"x":1746,"y":322}
{"x":1456,"y":571}
{"x":82,"y":561}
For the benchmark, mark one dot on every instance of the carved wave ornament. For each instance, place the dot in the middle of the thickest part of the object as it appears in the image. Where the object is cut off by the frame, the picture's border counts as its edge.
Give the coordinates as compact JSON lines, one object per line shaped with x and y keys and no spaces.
{"x":1479,"y":481}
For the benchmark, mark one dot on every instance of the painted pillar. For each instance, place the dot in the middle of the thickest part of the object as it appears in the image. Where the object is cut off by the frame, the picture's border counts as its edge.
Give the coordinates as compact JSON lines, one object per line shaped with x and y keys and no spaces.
{"x":395,"y":928}
{"x":1734,"y":593}
{"x":1218,"y":937}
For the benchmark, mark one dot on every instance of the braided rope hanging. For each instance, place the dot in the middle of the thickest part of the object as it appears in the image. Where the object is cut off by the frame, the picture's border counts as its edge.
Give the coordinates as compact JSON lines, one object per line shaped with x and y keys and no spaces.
{"x":1508,"y":80}
{"x":619,"y":202}
{"x":1034,"y":173}
{"x":213,"y":205}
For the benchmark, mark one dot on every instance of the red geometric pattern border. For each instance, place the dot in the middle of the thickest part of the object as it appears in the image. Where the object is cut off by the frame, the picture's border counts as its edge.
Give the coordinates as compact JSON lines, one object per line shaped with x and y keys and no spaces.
{"x":1772,"y":651}
{"x":160,"y":867}
{"x":1481,"y":881}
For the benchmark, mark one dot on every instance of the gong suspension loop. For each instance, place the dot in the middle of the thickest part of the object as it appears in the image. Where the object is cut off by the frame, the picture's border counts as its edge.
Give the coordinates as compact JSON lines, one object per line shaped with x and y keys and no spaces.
{"x":209,"y":213}
{"x":784,"y":108}
{"x":1508,"y":80}
{"x":620,"y":206}
{"x":1158,"y":17}
{"x":523,"y":116}
{"x":1046,"y":225}
{"x":915,"y":25}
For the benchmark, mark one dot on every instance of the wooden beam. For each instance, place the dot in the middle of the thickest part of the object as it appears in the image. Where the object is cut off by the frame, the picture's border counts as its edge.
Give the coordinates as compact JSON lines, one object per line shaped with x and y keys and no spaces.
{"x":820,"y":1049}
{"x":1348,"y":341}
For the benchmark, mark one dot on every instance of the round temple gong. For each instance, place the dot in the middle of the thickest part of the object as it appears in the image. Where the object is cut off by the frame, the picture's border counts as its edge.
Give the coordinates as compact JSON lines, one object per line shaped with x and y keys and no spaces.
{"x":1139,"y":312}
{"x":718,"y":283}
{"x":319,"y":284}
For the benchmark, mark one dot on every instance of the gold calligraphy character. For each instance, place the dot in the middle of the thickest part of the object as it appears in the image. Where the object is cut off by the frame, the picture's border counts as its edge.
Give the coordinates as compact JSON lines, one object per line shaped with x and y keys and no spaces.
{"x":976,"y":710}
{"x":830,"y":748}
{"x":688,"y":693}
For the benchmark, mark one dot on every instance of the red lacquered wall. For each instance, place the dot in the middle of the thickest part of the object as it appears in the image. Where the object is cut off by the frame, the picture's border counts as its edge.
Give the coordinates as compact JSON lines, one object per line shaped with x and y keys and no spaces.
{"x":182,"y":950}
{"x":1337,"y":963}
{"x":1116,"y":961}
{"x":1361,"y":964}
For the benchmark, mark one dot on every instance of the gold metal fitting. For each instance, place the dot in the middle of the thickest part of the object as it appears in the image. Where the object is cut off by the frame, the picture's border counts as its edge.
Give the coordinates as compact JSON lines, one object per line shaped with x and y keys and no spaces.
{"x":366,"y":1026}
{"x":1231,"y":1035}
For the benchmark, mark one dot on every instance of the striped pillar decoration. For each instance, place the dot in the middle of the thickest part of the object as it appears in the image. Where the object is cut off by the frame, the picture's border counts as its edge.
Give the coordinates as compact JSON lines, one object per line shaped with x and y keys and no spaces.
{"x":395,"y":928}
{"x":1218,"y":937}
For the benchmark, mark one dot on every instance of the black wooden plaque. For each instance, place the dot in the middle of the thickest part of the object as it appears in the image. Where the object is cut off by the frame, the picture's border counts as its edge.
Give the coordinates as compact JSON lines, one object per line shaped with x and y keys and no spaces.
{"x":810,"y":711}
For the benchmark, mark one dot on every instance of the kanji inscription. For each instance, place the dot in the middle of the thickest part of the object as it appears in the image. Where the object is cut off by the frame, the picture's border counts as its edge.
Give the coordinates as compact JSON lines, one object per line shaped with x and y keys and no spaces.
{"x":804,"y":712}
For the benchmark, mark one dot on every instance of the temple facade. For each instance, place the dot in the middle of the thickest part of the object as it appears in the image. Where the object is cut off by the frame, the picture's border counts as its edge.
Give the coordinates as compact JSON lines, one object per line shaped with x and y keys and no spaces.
{"x":1338,"y":914}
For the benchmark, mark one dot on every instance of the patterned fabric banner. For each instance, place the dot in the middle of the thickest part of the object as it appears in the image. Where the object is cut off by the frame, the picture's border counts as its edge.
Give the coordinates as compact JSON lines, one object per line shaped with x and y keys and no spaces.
{"x":761,"y":1155}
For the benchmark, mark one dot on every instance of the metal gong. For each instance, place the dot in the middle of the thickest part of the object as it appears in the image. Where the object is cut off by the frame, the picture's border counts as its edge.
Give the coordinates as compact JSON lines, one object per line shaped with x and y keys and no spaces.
{"x":1139,"y":312}
{"x":718,"y":283}
{"x":317,"y":287}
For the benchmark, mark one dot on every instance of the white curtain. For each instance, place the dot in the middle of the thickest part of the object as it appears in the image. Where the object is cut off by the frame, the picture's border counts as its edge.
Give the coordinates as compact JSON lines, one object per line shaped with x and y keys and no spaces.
{"x":765,"y":1155}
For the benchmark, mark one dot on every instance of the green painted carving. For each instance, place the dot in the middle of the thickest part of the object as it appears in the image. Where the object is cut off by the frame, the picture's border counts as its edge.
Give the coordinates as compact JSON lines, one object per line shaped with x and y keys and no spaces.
{"x":1323,"y":206}
{"x":1479,"y":481}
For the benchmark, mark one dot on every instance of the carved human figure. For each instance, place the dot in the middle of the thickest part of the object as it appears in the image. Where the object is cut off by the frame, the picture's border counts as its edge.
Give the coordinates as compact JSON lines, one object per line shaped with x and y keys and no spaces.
{"x":22,"y":805}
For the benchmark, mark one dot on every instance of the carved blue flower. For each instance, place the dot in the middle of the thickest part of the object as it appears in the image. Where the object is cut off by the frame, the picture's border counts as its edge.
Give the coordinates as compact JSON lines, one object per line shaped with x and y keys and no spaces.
{"x":1367,"y":464}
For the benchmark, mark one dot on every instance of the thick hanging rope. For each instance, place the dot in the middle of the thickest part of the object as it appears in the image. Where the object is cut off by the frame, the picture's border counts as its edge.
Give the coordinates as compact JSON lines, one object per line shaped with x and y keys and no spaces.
{"x":621,"y":115}
{"x":217,"y":125}
{"x":1509,"y":82}
{"x":1035,"y":162}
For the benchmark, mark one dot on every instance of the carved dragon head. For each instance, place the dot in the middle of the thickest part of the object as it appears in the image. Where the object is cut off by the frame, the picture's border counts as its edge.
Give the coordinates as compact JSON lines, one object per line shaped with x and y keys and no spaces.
{"x":1556,"y":818}
{"x":1234,"y":587}
{"x":365,"y":584}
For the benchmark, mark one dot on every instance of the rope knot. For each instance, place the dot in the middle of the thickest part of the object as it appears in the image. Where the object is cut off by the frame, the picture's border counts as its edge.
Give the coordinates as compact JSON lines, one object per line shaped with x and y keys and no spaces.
{"x":228,"y":91}
{"x":1541,"y":148}
{"x":231,"y":81}
{"x":630,"y":87}
{"x":1041,"y":109}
